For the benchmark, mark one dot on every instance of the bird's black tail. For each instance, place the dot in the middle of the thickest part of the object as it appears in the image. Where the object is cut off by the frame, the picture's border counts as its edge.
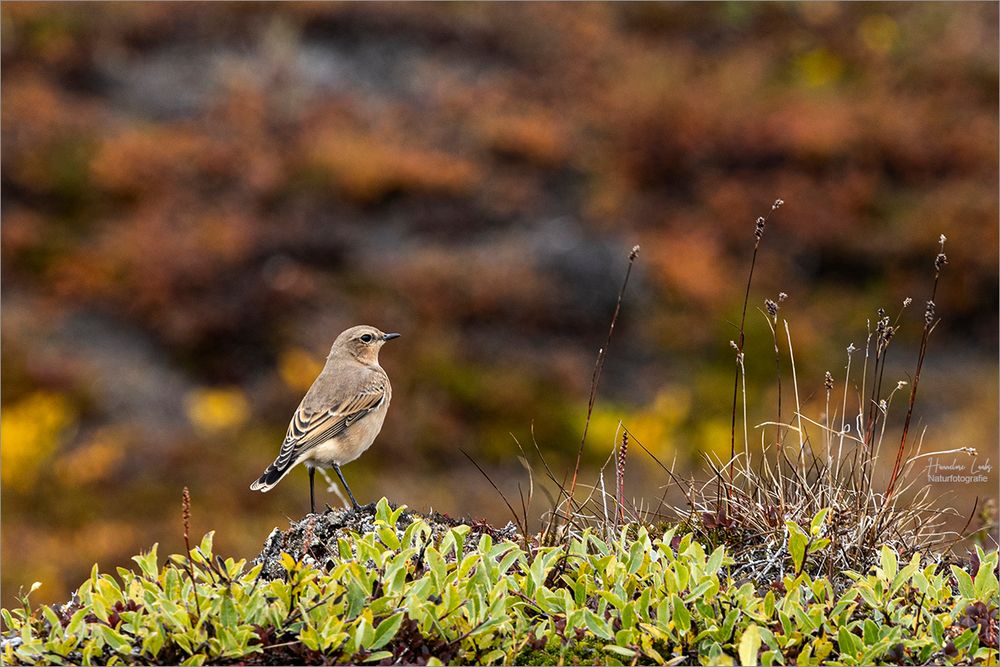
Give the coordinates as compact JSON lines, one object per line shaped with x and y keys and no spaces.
{"x":271,"y":477}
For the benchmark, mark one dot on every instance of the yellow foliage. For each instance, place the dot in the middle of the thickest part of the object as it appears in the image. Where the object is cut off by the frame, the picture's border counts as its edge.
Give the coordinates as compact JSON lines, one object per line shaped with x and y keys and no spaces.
{"x":654,"y":426}
{"x":715,"y":438}
{"x":219,"y":409}
{"x":298,"y":368}
{"x":30,"y":433}
{"x":819,"y":68}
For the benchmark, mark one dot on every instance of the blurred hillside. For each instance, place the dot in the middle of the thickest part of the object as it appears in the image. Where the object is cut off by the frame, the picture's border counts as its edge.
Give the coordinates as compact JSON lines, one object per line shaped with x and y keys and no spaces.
{"x":197,"y":198}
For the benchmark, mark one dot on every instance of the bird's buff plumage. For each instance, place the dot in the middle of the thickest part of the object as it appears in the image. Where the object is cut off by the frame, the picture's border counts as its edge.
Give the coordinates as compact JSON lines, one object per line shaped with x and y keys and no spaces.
{"x":341,"y":414}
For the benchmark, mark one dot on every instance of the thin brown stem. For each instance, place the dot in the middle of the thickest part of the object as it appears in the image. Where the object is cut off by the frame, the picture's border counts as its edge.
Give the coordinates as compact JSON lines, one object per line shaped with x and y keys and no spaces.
{"x":929,"y":323}
{"x":598,"y":367}
{"x":186,"y":516}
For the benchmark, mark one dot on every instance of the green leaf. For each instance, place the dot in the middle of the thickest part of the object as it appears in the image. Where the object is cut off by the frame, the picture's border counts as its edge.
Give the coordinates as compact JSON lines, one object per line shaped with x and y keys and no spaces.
{"x":965,"y":641}
{"x":818,"y":544}
{"x":147,"y":563}
{"x":363,"y":635}
{"x":817,"y":522}
{"x":682,"y":617}
{"x":635,"y":557}
{"x":870,"y":632}
{"x":152,"y":643}
{"x":889,"y":563}
{"x":76,"y":621}
{"x":985,"y":584}
{"x":386,"y":630}
{"x":715,"y":560}
{"x":206,"y":544}
{"x":114,"y":639}
{"x":822,"y":648}
{"x":937,"y":631}
{"x":228,"y":615}
{"x":382,"y":510}
{"x":769,"y":604}
{"x":288,"y":562}
{"x":698,"y":590}
{"x":378,"y":655}
{"x":496,"y":655}
{"x":310,"y":639}
{"x":620,"y":650}
{"x":750,"y":645}
{"x":437,"y":565}
{"x":965,"y":585}
{"x":612,"y":599}
{"x":597,"y":625}
{"x":769,"y":658}
{"x":797,"y":541}
{"x":388,"y":537}
{"x":848,"y":643}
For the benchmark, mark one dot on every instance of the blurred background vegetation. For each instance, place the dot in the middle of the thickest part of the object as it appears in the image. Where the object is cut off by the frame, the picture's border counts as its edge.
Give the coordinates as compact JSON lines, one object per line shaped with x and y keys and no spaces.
{"x":197,"y":198}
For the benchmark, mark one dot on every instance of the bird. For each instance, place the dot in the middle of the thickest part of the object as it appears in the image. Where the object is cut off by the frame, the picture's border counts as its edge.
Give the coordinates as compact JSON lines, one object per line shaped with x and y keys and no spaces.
{"x":341,"y":414}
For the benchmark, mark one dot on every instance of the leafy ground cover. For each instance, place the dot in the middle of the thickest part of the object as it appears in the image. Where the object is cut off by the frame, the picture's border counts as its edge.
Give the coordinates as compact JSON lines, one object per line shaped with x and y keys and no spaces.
{"x":469,"y":175}
{"x":385,"y":585}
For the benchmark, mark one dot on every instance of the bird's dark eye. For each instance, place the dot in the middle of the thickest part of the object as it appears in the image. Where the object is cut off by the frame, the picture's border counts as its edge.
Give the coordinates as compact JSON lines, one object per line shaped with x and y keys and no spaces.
{"x":367,"y":338}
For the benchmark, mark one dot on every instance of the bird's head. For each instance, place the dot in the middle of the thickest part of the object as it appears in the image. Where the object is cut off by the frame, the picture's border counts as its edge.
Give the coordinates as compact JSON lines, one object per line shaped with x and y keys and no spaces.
{"x":361,"y":342}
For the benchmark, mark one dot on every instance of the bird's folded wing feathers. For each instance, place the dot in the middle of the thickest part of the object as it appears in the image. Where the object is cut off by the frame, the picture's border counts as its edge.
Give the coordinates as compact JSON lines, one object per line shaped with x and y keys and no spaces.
{"x":308,"y":429}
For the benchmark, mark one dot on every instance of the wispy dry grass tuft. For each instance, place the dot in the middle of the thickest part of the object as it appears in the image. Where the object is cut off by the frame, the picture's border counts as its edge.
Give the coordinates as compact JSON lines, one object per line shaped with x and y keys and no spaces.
{"x":749,"y":500}
{"x":803,"y":467}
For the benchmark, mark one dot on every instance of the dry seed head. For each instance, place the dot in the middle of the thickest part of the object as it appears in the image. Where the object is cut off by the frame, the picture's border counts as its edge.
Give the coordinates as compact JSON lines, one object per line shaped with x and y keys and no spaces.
{"x":623,"y":452}
{"x":907,"y":301}
{"x":851,"y":349}
{"x":942,"y":239}
{"x":828,"y":381}
{"x":901,"y":384}
{"x":635,"y":252}
{"x":940,"y":260}
{"x":759,"y":231}
{"x":929,"y":313}
{"x":781,"y":297}
{"x":777,"y":204}
{"x":186,"y":514}
{"x":772,"y":308}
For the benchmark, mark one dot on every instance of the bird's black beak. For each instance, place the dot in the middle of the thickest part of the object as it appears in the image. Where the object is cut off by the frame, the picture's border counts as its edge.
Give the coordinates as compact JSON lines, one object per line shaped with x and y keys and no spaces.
{"x":390,"y":336}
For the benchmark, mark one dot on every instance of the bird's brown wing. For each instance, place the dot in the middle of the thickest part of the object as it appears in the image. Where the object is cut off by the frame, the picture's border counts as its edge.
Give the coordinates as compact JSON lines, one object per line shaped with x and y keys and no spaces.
{"x":309,"y":429}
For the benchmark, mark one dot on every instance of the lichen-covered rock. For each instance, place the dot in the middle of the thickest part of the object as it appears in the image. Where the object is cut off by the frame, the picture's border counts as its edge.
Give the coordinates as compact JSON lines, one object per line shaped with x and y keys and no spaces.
{"x":314,"y":538}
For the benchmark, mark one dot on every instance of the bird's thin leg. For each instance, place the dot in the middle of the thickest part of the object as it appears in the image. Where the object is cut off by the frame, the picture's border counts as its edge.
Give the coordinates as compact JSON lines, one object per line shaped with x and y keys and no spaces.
{"x":312,"y":497}
{"x":347,"y":488}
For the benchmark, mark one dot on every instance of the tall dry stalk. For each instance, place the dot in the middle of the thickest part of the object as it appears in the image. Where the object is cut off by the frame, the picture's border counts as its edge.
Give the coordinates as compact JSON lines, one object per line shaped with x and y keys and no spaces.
{"x":930,"y":321}
{"x":598,"y":367}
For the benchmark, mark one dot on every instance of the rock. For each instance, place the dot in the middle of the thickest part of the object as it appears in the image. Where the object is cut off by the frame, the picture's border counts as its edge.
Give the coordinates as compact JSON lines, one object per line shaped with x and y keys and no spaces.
{"x":313,"y":539}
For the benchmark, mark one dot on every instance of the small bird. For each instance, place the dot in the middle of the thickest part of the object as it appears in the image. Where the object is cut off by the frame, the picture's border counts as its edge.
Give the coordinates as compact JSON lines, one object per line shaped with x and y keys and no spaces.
{"x":341,"y":414}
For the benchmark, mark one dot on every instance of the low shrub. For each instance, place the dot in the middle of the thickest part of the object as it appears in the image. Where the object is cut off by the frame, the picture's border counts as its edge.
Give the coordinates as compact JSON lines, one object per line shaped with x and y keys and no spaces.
{"x":410,"y":592}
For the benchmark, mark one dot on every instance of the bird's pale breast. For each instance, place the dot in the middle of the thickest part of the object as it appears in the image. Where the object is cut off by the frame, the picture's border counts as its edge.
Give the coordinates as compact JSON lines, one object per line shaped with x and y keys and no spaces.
{"x":353,"y":442}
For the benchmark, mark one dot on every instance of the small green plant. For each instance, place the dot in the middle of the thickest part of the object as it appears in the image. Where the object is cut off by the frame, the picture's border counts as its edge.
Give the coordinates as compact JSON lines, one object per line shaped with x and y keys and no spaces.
{"x":410,"y":593}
